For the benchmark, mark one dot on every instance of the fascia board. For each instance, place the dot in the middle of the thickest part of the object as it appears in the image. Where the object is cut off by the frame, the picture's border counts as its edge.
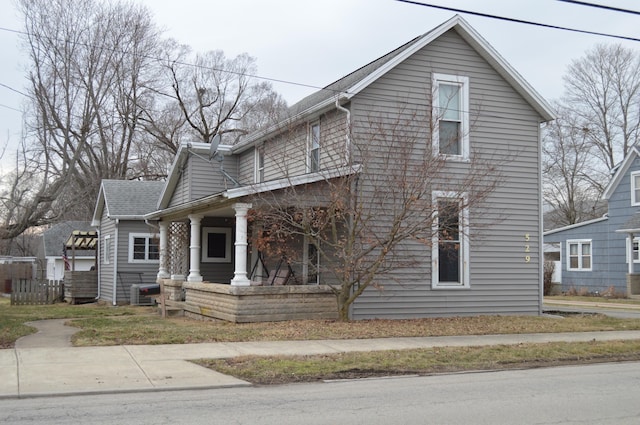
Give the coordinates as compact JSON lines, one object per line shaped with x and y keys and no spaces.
{"x":574,"y":226}
{"x":622,"y":170}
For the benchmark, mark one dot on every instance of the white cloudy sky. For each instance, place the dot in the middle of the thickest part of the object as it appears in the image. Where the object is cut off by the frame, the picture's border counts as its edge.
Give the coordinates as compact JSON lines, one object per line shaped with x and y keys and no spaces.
{"x":316,"y":42}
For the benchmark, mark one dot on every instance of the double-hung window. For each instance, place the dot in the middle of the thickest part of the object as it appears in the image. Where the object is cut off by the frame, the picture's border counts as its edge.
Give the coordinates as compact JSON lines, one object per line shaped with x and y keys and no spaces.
{"x":450,"y":249}
{"x":313,"y":148}
{"x":635,"y":188}
{"x":259,"y":165}
{"x":143,"y":248}
{"x":579,"y":254}
{"x":450,"y":116}
{"x":635,"y":251}
{"x":106,"y":253}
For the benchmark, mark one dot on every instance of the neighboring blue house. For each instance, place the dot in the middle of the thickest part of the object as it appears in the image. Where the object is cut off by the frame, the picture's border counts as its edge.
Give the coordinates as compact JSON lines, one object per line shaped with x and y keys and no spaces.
{"x":595,"y":254}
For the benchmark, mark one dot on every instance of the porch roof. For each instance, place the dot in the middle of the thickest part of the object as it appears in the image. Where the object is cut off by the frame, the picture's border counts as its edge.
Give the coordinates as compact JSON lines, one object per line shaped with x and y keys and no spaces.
{"x":632,"y":225}
{"x":223,"y":199}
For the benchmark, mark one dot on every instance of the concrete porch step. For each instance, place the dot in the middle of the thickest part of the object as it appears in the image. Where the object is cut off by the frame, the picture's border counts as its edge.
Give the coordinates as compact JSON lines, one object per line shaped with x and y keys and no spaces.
{"x":173,"y":308}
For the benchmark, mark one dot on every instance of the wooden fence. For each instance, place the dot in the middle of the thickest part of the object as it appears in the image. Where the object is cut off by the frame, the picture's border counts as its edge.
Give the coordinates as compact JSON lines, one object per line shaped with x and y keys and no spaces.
{"x":33,"y":292}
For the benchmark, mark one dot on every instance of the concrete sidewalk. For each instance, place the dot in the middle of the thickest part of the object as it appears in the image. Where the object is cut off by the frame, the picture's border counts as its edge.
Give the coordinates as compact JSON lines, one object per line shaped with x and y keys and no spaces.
{"x":33,"y":372}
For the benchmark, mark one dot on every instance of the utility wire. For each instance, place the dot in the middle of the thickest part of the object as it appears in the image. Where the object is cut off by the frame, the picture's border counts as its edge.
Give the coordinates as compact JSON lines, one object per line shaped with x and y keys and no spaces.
{"x":517,"y":21}
{"x":601,"y":6}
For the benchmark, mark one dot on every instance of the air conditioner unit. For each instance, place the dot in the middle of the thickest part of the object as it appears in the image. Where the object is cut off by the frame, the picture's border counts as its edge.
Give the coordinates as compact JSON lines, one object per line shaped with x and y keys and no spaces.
{"x":137,"y":299}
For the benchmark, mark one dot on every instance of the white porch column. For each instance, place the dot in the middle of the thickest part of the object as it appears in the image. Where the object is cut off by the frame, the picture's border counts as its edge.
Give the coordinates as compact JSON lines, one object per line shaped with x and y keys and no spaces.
{"x":240,"y":273}
{"x":163,"y":272}
{"x":194,"y":249}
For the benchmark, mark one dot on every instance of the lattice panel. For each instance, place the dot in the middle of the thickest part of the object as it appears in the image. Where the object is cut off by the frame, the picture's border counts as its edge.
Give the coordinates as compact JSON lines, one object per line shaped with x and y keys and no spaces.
{"x":178,"y":248}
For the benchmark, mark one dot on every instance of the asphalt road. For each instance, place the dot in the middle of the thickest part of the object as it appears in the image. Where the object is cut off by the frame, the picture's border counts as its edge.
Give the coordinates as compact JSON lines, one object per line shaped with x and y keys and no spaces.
{"x":594,"y":394}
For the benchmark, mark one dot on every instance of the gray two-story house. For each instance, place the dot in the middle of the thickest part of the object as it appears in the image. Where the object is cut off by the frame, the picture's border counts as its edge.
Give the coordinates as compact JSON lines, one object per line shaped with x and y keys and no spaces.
{"x":599,"y":255}
{"x":446,"y":97}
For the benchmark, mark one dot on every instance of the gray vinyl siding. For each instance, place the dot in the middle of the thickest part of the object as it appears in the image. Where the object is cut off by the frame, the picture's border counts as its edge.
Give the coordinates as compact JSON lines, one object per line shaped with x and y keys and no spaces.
{"x":105,"y":279}
{"x":200,"y":178}
{"x":505,"y":131}
{"x":602,"y":274}
{"x":246,"y":167}
{"x":128,"y":272}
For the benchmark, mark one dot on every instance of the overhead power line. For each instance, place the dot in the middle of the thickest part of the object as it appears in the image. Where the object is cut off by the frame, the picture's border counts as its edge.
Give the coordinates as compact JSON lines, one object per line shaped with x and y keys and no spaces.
{"x":517,"y":21}
{"x":601,"y":6}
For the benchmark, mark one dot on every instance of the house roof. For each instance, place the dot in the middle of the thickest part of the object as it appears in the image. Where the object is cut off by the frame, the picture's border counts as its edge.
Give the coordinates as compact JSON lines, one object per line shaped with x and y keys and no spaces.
{"x":345,"y":88}
{"x":56,"y":237}
{"x":621,"y":171}
{"x":574,"y":226}
{"x":127,"y":199}
{"x":632,"y":225}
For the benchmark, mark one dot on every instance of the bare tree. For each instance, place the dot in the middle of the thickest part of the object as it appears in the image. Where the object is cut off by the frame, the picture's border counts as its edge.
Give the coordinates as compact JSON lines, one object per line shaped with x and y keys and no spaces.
{"x":376,"y":214}
{"x":603,"y":89}
{"x":90,"y":82}
{"x":208,"y":94}
{"x":573,"y":177}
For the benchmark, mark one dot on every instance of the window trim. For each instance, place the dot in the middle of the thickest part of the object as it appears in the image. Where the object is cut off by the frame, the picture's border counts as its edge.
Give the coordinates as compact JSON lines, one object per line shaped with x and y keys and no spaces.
{"x":310,"y":149}
{"x":463,"y":220}
{"x":580,"y":243}
{"x":258,"y":171}
{"x":106,"y":253}
{"x":463,"y":82}
{"x":636,"y":240}
{"x":634,"y":201}
{"x":148,"y":237}
{"x":205,"y":248}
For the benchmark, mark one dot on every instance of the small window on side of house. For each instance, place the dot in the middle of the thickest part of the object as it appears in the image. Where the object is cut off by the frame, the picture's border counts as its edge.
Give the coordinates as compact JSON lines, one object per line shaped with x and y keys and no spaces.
{"x":450,"y":245}
{"x":635,"y":188}
{"x":579,"y":255}
{"x":107,"y":249}
{"x":450,"y":116}
{"x":313,"y":148}
{"x":259,"y":164}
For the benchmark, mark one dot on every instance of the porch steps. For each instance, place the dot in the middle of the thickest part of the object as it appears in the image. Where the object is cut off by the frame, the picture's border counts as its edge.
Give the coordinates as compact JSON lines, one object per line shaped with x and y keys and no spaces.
{"x":173,"y":308}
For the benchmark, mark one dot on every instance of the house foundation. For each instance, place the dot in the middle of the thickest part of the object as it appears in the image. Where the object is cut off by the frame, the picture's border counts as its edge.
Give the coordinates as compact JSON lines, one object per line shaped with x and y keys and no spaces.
{"x":633,"y":284}
{"x":246,"y":304}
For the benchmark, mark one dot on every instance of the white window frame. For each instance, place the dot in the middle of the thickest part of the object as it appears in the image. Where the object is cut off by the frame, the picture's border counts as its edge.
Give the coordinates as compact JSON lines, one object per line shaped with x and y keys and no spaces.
{"x":463,"y":83}
{"x":310,"y":146}
{"x":636,"y":250}
{"x":580,"y":243}
{"x":147,"y":237}
{"x":205,"y":246}
{"x":463,"y":221}
{"x":258,"y":172}
{"x":106,"y":253}
{"x":634,"y":201}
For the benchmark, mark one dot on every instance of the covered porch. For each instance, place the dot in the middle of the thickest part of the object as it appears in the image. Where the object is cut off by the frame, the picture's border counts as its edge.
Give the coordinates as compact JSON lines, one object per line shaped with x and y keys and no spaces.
{"x":209,"y":268}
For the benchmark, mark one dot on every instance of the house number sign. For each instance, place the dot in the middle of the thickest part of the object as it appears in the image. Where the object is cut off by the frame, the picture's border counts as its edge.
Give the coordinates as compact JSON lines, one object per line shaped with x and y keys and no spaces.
{"x":527,"y":248}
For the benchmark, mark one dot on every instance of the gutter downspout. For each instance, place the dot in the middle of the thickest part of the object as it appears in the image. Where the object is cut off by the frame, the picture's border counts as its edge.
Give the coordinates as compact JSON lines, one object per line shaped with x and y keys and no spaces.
{"x":99,"y":263}
{"x":347,"y":144}
{"x":115,"y":265}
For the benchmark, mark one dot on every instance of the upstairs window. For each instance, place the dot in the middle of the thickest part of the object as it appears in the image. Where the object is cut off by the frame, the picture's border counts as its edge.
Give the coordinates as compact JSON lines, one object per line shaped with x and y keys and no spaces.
{"x":635,"y":188}
{"x":450,"y":135}
{"x":143,"y":247}
{"x":579,"y":255}
{"x":313,"y":149}
{"x":258,"y":176}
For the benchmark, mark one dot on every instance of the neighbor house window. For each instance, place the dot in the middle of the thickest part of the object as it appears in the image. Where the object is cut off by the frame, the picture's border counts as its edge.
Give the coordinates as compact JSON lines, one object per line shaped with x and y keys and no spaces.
{"x":579,"y":255}
{"x":450,"y":112}
{"x":143,"y":248}
{"x":106,"y":254}
{"x":259,"y":162}
{"x":313,"y":150}
{"x":216,"y":245}
{"x":635,"y":188}
{"x":636,"y":251}
{"x":450,"y":249}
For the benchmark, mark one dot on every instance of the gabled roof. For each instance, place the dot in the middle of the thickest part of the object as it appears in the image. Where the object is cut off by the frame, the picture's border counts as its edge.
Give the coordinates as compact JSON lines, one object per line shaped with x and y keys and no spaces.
{"x":55,"y":238}
{"x":621,"y":171}
{"x":632,"y":225}
{"x":575,"y":226}
{"x":352,"y":84}
{"x":127,"y":199}
{"x":196,"y":148}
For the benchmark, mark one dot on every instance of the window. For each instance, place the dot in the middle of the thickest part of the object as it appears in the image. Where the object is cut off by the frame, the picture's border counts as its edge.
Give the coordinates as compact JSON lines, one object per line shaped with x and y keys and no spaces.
{"x":216,"y":245}
{"x":450,"y":250}
{"x":259,"y":165}
{"x":579,"y":255}
{"x":311,"y":262}
{"x":636,"y":250}
{"x":143,"y":248}
{"x":106,"y":254}
{"x":313,"y":157}
{"x":635,"y":188}
{"x":451,"y":116}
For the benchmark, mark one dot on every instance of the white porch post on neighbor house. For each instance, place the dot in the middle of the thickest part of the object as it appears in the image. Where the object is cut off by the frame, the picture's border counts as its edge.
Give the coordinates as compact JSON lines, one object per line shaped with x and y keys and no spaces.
{"x":630,"y":253}
{"x":240,"y":273}
{"x":194,"y":249}
{"x":163,"y":270}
